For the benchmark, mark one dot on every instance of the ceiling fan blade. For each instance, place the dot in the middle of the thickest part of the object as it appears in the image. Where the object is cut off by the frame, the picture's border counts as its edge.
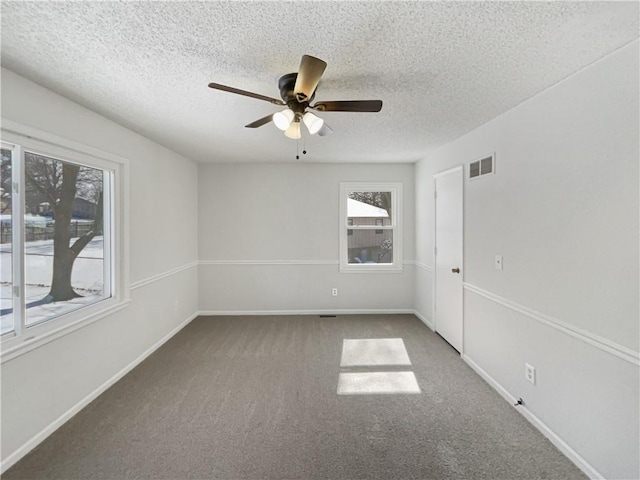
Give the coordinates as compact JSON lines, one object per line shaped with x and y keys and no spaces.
{"x":325,"y":130}
{"x":225,"y":88}
{"x":309,"y":73}
{"x":349,"y":106}
{"x":260,"y":122}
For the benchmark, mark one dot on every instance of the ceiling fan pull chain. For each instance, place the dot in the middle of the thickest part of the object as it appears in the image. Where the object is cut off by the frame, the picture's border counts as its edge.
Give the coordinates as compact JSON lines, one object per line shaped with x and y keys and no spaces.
{"x":297,"y":149}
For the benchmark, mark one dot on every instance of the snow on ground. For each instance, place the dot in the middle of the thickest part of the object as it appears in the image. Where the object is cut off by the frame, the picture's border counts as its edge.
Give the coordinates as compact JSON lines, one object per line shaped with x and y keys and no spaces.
{"x":87,"y":280}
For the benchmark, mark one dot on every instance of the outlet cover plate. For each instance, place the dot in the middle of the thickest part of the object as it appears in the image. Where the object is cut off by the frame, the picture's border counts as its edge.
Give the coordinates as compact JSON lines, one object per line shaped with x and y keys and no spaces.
{"x":530,"y":373}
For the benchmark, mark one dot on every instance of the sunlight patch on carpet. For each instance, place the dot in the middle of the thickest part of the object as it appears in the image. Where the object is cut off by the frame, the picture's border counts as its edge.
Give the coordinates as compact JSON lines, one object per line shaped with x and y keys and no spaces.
{"x":374,"y":351}
{"x":369,"y":383}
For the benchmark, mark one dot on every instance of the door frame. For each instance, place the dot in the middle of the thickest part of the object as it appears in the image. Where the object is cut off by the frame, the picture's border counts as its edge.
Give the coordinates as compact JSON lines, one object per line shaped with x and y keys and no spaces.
{"x":459,"y":168}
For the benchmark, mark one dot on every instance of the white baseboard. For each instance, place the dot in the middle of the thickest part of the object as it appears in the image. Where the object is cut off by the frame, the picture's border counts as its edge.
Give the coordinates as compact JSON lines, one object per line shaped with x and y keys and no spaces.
{"x":390,"y":311}
{"x":48,"y":430}
{"x":560,"y":444}
{"x":425,"y":320}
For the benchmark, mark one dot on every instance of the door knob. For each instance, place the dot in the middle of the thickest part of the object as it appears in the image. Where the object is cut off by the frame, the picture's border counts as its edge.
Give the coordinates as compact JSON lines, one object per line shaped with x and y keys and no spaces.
{"x":455,"y":270}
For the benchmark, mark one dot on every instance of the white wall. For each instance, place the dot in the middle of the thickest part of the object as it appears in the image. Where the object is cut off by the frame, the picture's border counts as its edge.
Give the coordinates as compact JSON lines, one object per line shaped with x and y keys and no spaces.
{"x":562,"y":209}
{"x":269,"y":240}
{"x":42,"y":387}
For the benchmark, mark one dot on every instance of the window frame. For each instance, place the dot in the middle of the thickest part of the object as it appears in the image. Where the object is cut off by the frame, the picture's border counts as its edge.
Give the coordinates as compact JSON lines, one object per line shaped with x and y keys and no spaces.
{"x":20,"y":139}
{"x":396,"y":227}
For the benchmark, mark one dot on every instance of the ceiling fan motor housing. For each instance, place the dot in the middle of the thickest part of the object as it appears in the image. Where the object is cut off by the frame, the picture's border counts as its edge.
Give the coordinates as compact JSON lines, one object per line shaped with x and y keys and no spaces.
{"x":286,"y":85}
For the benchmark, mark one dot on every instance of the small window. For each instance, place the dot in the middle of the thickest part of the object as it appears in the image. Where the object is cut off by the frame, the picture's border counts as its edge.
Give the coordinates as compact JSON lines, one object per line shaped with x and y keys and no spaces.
{"x":370,"y":227}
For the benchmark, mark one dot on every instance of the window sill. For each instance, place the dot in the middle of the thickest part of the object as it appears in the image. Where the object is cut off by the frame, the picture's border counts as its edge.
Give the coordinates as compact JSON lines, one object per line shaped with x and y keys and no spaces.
{"x":370,"y":268}
{"x":39,"y":335}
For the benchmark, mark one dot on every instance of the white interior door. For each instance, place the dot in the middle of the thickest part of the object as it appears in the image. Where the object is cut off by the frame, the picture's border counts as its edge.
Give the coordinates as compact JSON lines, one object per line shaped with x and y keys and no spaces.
{"x":448,"y":241}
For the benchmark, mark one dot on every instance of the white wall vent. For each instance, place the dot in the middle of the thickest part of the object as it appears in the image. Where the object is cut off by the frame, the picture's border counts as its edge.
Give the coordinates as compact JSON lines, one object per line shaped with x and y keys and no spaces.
{"x":483,"y":166}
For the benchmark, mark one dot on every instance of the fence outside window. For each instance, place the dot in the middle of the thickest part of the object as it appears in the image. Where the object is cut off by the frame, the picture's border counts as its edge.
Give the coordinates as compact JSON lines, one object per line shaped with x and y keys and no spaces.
{"x":45,"y":231}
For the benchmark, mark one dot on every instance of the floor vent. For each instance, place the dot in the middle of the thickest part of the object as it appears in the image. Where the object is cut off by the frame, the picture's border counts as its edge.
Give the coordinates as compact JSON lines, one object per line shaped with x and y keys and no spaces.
{"x":484,"y":166}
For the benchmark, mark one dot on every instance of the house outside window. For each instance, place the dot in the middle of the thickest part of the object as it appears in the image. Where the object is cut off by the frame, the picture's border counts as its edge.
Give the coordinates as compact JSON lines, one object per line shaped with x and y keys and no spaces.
{"x":370,"y":227}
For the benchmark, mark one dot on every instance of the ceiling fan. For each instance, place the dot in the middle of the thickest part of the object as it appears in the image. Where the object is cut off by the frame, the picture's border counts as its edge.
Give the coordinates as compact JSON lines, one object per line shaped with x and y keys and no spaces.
{"x":298,"y":91}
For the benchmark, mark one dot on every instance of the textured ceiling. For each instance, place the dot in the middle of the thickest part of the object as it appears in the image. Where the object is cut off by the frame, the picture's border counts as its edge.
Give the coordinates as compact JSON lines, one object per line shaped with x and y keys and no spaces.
{"x":441,"y":68}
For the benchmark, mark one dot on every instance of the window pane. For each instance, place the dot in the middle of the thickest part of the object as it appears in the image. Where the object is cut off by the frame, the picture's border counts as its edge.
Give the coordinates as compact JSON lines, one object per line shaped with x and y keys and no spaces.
{"x":6,"y":266}
{"x":64,"y":245}
{"x":369,"y":208}
{"x":367,"y":246}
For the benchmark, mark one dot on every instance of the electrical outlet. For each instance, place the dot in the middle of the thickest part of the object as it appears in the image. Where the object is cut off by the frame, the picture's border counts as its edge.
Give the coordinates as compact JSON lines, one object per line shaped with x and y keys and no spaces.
{"x":530,"y":373}
{"x":498,"y":262}
{"x":334,"y":292}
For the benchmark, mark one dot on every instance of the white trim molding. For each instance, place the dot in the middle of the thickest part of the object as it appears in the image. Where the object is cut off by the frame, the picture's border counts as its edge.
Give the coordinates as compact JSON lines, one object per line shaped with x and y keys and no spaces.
{"x":33,"y":342}
{"x":425,"y":320}
{"x":560,"y":444}
{"x":26,"y":131}
{"x":592,"y":339}
{"x":291,"y":262}
{"x":160,"y":276}
{"x":355,"y":311}
{"x":269,"y":262}
{"x":423,"y":266}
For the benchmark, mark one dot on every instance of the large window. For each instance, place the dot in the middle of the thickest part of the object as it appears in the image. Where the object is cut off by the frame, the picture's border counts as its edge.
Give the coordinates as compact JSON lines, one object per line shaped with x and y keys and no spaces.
{"x":370,"y":227}
{"x":59,"y":240}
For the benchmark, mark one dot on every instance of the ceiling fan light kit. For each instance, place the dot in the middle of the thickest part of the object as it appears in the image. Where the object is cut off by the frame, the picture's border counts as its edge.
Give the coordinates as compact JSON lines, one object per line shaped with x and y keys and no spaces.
{"x":313,"y":122}
{"x":293,"y":131}
{"x":298,"y":91}
{"x":283,"y":119}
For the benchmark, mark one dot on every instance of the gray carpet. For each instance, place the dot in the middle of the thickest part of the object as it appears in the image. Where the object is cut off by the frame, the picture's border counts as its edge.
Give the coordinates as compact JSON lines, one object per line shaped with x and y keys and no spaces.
{"x":255,"y":398}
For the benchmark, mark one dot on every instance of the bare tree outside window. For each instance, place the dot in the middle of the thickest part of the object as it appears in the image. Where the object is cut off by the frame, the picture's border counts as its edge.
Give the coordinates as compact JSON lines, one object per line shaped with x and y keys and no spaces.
{"x":62,"y":185}
{"x":5,"y":182}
